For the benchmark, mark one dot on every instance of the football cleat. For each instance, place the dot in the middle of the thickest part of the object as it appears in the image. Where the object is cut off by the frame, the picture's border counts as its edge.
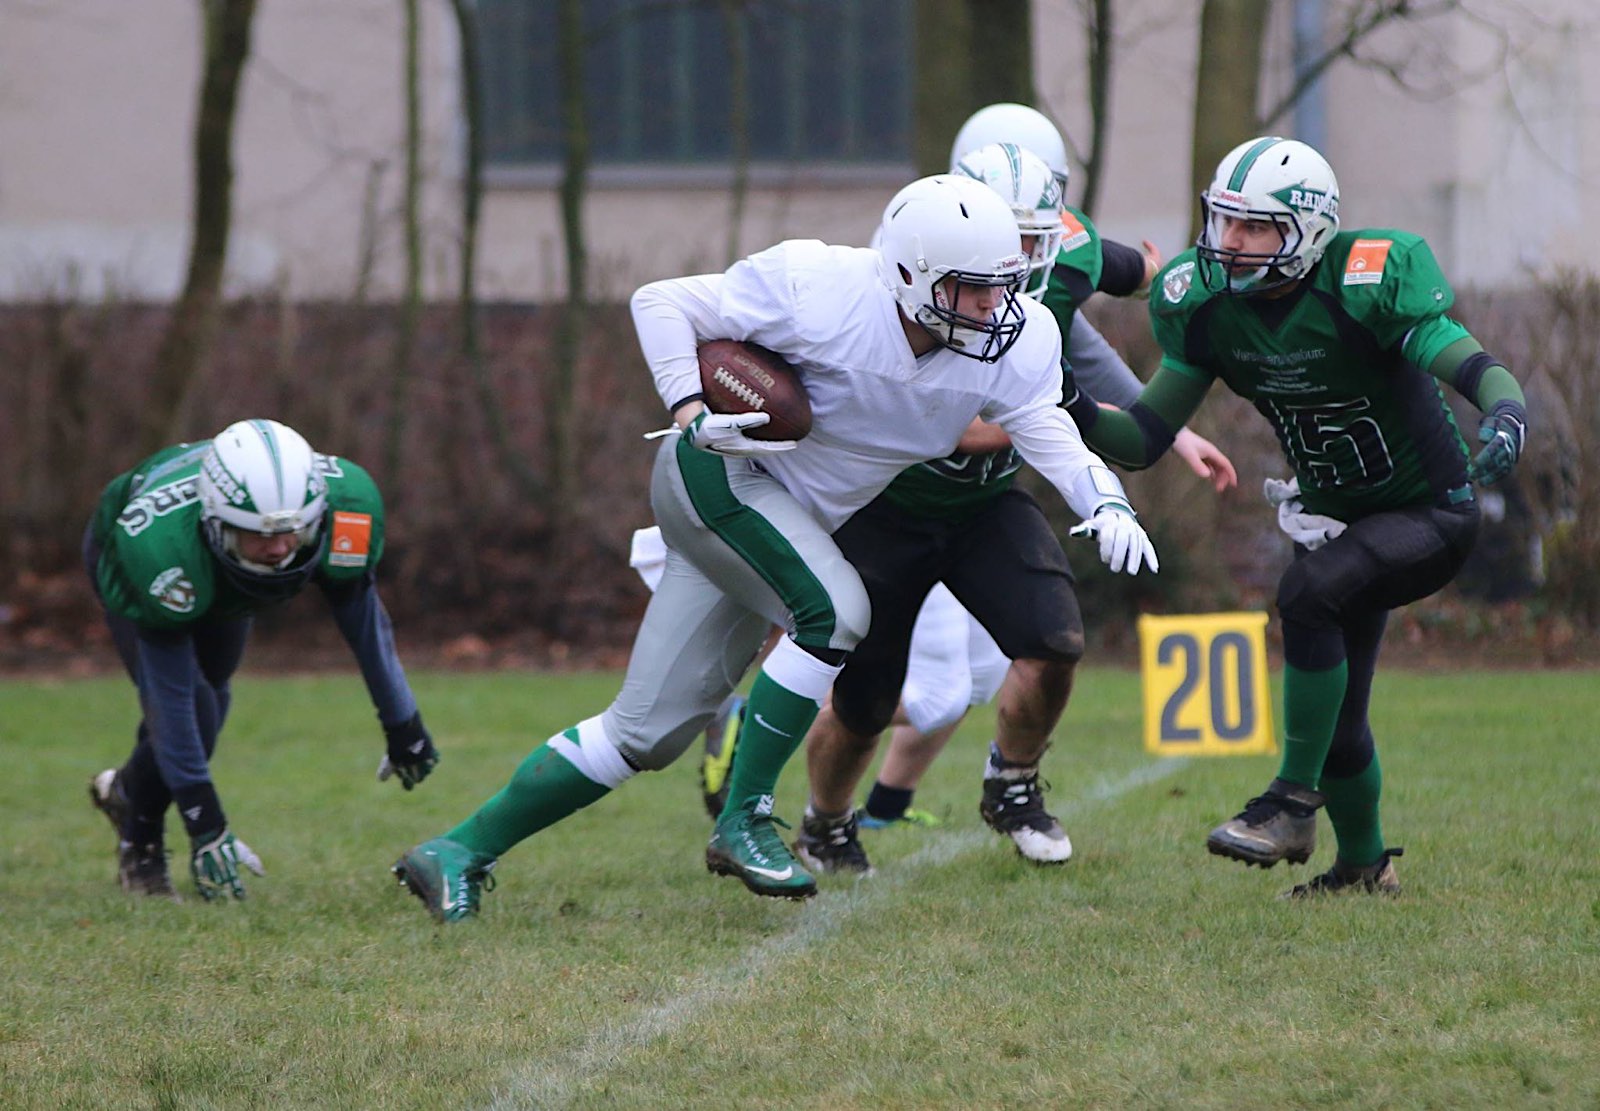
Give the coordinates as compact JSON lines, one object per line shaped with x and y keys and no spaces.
{"x":1278,"y":825}
{"x":447,"y":876}
{"x":919,"y":819}
{"x":722,"y":736}
{"x":142,"y":870}
{"x":1013,"y":804}
{"x":745,"y":844}
{"x":831,"y":845}
{"x":105,"y":792}
{"x":1375,"y":879}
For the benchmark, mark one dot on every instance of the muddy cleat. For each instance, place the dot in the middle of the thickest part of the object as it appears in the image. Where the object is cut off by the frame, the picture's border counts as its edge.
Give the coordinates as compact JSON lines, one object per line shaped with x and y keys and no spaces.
{"x":722,"y":736}
{"x":142,"y":870}
{"x":1279,"y":825}
{"x":105,"y":791}
{"x":447,"y":876}
{"x":1375,"y":879}
{"x":831,"y":845}
{"x":916,"y":819}
{"x":746,"y":845}
{"x":1013,"y":804}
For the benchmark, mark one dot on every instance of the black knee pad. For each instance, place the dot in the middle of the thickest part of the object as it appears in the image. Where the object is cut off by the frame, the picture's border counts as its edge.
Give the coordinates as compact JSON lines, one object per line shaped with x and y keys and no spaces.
{"x":865,"y":709}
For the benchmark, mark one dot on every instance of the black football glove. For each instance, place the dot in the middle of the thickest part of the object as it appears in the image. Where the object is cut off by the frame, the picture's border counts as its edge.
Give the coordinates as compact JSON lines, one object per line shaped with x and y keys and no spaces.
{"x":411,"y":754}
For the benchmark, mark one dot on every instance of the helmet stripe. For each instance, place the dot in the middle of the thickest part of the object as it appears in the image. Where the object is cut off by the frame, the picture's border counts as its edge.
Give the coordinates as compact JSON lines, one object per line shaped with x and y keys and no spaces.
{"x":1242,"y":170}
{"x":264,"y":429}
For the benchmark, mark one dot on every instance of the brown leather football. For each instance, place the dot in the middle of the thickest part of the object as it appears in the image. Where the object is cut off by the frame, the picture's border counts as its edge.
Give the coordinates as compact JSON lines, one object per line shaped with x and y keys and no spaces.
{"x":747,"y":378}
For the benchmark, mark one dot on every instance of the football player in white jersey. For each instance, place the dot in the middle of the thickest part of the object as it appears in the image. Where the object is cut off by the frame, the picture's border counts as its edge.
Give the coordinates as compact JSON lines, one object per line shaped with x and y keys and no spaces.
{"x":960,"y":513}
{"x":899,"y":350}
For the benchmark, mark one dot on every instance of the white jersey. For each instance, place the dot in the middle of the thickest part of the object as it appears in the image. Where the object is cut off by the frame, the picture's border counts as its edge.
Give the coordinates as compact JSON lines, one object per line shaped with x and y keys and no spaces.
{"x":876,"y":407}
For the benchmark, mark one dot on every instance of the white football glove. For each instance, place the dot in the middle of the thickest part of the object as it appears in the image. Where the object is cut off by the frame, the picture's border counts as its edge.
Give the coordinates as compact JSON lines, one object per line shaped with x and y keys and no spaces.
{"x":1123,"y":544}
{"x":723,"y":434}
{"x":1312,"y":530}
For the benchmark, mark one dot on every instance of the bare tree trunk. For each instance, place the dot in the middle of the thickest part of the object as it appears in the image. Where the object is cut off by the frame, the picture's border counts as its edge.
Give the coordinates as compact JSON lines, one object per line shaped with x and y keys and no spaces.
{"x":734,"y":18}
{"x":1000,"y":63}
{"x":968,"y":53}
{"x":411,"y":299}
{"x":560,"y":413}
{"x":1226,"y":86}
{"x":468,"y":309}
{"x":1101,"y":40}
{"x":194,"y":317}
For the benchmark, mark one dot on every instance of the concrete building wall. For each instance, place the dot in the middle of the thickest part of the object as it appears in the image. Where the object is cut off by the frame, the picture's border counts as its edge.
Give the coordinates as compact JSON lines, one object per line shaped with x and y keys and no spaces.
{"x":97,"y":101}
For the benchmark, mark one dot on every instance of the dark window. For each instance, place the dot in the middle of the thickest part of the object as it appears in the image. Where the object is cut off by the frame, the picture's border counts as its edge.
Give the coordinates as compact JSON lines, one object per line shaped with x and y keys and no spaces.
{"x":829,"y":82}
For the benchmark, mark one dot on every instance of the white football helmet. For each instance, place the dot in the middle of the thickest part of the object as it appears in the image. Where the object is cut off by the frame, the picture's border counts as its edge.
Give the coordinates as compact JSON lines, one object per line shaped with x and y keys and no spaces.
{"x":1027,"y":127}
{"x":947,"y":226}
{"x":1282,"y":181}
{"x":1025,"y":183}
{"x":261,"y":476}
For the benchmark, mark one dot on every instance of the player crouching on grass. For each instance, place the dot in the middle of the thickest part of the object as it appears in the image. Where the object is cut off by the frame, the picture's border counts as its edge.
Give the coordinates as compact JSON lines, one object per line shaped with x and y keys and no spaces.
{"x":931,"y":326}
{"x":181,"y":552}
{"x":1341,"y":340}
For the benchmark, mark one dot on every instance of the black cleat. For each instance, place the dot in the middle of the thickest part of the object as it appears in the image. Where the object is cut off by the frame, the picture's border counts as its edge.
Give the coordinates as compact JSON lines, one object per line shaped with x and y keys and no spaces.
{"x":142,"y":870}
{"x":105,"y":792}
{"x":1375,"y":879}
{"x":1013,"y":804}
{"x":832,"y":845}
{"x":1279,"y":825}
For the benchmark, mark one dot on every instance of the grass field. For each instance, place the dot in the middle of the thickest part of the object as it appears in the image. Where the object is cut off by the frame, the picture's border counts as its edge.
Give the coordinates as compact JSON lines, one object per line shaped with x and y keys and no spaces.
{"x":609,"y":970}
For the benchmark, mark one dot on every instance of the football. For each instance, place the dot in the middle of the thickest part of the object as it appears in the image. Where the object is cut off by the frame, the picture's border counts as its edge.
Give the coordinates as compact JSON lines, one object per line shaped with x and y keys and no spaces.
{"x":747,"y":378}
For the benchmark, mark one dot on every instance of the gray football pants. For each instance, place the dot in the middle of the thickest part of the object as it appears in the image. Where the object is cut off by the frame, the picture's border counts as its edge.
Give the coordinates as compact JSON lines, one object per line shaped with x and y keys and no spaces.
{"x":742,"y":555}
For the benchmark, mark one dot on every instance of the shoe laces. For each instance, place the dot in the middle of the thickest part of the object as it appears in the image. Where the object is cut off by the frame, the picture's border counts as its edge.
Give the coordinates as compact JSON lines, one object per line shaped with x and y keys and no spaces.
{"x":472,"y":882}
{"x":1020,"y":802}
{"x":760,"y":831}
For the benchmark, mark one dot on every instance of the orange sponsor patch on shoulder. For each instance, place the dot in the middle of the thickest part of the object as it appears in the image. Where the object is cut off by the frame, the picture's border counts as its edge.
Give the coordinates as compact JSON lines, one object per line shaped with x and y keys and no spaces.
{"x":1365,"y":264}
{"x":352,"y":539}
{"x":1073,"y":233}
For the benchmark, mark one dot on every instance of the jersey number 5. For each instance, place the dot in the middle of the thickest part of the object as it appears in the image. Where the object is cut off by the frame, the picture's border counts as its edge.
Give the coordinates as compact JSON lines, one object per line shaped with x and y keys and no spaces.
{"x":1336,"y":445}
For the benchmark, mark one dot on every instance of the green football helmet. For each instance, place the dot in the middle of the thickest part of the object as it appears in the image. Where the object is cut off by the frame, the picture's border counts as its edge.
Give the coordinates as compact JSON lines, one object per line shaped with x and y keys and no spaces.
{"x":260,"y":476}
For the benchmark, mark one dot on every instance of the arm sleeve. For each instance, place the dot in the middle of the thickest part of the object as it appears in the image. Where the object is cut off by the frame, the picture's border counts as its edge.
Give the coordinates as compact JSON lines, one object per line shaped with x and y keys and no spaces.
{"x":1122,"y":273}
{"x":1097,"y":367}
{"x":1141,"y":435}
{"x":167,"y":678}
{"x":1048,"y":440}
{"x":1476,"y":375}
{"x":366,"y":628}
{"x":670,"y":317}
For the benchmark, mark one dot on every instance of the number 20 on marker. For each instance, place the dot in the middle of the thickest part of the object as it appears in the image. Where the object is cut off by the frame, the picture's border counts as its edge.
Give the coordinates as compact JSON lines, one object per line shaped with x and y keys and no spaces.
{"x":1206,"y":688}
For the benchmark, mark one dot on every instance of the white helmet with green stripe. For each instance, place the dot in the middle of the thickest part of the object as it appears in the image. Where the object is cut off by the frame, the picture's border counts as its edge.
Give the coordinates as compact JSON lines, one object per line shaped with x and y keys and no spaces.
{"x":1027,"y":127}
{"x":1280,"y":181}
{"x":261,"y":476}
{"x":1025,"y":183}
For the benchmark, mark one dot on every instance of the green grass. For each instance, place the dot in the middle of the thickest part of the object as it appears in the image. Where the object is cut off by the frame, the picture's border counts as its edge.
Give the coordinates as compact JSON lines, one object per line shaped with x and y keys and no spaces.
{"x":609,"y":970}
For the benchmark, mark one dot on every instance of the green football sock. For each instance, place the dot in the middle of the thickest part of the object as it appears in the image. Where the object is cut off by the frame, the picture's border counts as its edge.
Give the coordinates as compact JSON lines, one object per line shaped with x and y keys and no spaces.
{"x":1311,"y":701}
{"x":775,"y":722}
{"x":544,"y":789}
{"x":1353,"y":810}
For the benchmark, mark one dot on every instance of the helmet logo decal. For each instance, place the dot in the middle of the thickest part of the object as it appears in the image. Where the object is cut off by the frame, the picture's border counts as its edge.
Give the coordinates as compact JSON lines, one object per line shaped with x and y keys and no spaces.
{"x":1313,"y":202}
{"x":352,"y":539}
{"x":1365,"y":264}
{"x":225,"y":483}
{"x":173,"y":590}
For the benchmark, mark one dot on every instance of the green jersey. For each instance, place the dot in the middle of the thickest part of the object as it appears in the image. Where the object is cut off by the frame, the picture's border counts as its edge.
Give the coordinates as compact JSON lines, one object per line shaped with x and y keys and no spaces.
{"x":960,"y":484}
{"x":1336,"y":366}
{"x":156,"y":568}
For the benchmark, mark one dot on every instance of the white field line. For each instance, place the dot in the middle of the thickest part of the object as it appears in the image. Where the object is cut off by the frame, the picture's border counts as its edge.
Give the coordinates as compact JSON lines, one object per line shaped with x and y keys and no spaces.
{"x":551,"y":1083}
